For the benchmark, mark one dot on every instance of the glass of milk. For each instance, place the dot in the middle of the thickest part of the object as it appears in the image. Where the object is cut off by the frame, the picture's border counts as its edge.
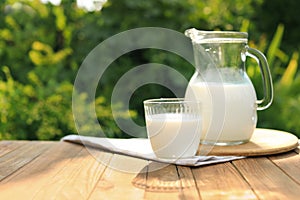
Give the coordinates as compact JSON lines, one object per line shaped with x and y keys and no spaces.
{"x":174,"y":127}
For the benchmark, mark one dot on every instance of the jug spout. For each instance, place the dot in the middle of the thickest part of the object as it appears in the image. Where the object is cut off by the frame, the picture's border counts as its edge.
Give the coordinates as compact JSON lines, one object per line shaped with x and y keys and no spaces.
{"x":193,"y":34}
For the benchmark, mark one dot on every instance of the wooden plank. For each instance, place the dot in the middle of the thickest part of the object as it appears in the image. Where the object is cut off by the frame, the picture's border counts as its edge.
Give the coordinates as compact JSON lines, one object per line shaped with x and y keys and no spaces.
{"x":29,"y":179}
{"x":267,"y":180}
{"x":163,"y":182}
{"x":82,"y":183}
{"x":221,"y":181}
{"x":14,"y":160}
{"x":188,"y":184}
{"x":8,"y":146}
{"x":289,"y":163}
{"x":77,"y":178}
{"x":117,"y":182}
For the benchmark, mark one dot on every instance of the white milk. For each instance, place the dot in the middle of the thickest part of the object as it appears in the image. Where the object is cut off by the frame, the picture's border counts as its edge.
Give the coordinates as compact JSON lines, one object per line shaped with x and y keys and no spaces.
{"x":174,"y":135}
{"x":229,"y":111}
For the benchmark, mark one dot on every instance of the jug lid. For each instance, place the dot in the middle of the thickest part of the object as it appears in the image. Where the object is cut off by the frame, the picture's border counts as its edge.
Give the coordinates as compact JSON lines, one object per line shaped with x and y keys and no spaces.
{"x":201,"y":36}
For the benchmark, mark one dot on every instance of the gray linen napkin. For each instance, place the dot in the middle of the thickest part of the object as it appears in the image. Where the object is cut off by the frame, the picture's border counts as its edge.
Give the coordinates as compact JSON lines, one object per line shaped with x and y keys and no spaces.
{"x":141,"y":148}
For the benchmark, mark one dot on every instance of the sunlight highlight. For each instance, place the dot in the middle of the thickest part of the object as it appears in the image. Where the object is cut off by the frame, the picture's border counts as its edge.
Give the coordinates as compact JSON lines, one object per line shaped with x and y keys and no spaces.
{"x":88,"y":5}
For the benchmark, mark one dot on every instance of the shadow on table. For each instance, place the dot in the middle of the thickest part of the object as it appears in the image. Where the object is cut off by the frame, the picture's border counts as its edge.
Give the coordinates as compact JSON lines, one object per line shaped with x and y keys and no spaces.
{"x":164,"y":179}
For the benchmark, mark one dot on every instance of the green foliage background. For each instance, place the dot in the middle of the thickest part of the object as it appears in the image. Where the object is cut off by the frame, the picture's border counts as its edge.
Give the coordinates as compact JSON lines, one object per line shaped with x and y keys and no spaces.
{"x":42,"y":46}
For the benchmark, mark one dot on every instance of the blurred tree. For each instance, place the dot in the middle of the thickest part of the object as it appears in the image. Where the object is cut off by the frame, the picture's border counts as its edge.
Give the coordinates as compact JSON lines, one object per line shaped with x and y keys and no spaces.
{"x":40,"y":52}
{"x":274,"y":12}
{"x":42,"y":46}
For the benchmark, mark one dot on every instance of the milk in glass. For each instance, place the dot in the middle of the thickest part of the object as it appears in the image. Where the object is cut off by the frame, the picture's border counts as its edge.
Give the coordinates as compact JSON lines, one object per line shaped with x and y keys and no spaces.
{"x":174,"y":135}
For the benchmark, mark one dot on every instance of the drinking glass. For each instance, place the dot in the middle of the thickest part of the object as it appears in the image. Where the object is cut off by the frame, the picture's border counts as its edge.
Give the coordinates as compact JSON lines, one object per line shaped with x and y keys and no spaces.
{"x":173,"y":126}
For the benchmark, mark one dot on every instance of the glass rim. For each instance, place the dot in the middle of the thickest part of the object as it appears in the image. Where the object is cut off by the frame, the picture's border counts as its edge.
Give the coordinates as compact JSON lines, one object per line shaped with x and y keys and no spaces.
{"x":169,"y":101}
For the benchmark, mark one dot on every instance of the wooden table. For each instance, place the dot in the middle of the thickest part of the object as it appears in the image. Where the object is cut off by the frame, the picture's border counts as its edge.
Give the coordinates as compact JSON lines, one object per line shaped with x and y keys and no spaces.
{"x":61,"y":170}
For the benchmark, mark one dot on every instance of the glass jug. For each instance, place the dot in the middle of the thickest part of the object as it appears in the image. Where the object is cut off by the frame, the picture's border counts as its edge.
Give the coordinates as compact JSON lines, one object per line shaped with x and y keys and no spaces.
{"x":220,"y":82}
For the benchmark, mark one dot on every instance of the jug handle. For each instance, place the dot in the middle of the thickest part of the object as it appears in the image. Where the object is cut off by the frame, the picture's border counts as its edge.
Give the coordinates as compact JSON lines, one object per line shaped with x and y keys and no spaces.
{"x":266,"y":77}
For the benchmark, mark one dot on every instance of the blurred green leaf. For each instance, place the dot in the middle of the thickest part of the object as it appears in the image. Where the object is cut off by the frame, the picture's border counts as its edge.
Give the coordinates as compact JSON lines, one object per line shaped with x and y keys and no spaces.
{"x":275,"y":44}
{"x":290,"y":72}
